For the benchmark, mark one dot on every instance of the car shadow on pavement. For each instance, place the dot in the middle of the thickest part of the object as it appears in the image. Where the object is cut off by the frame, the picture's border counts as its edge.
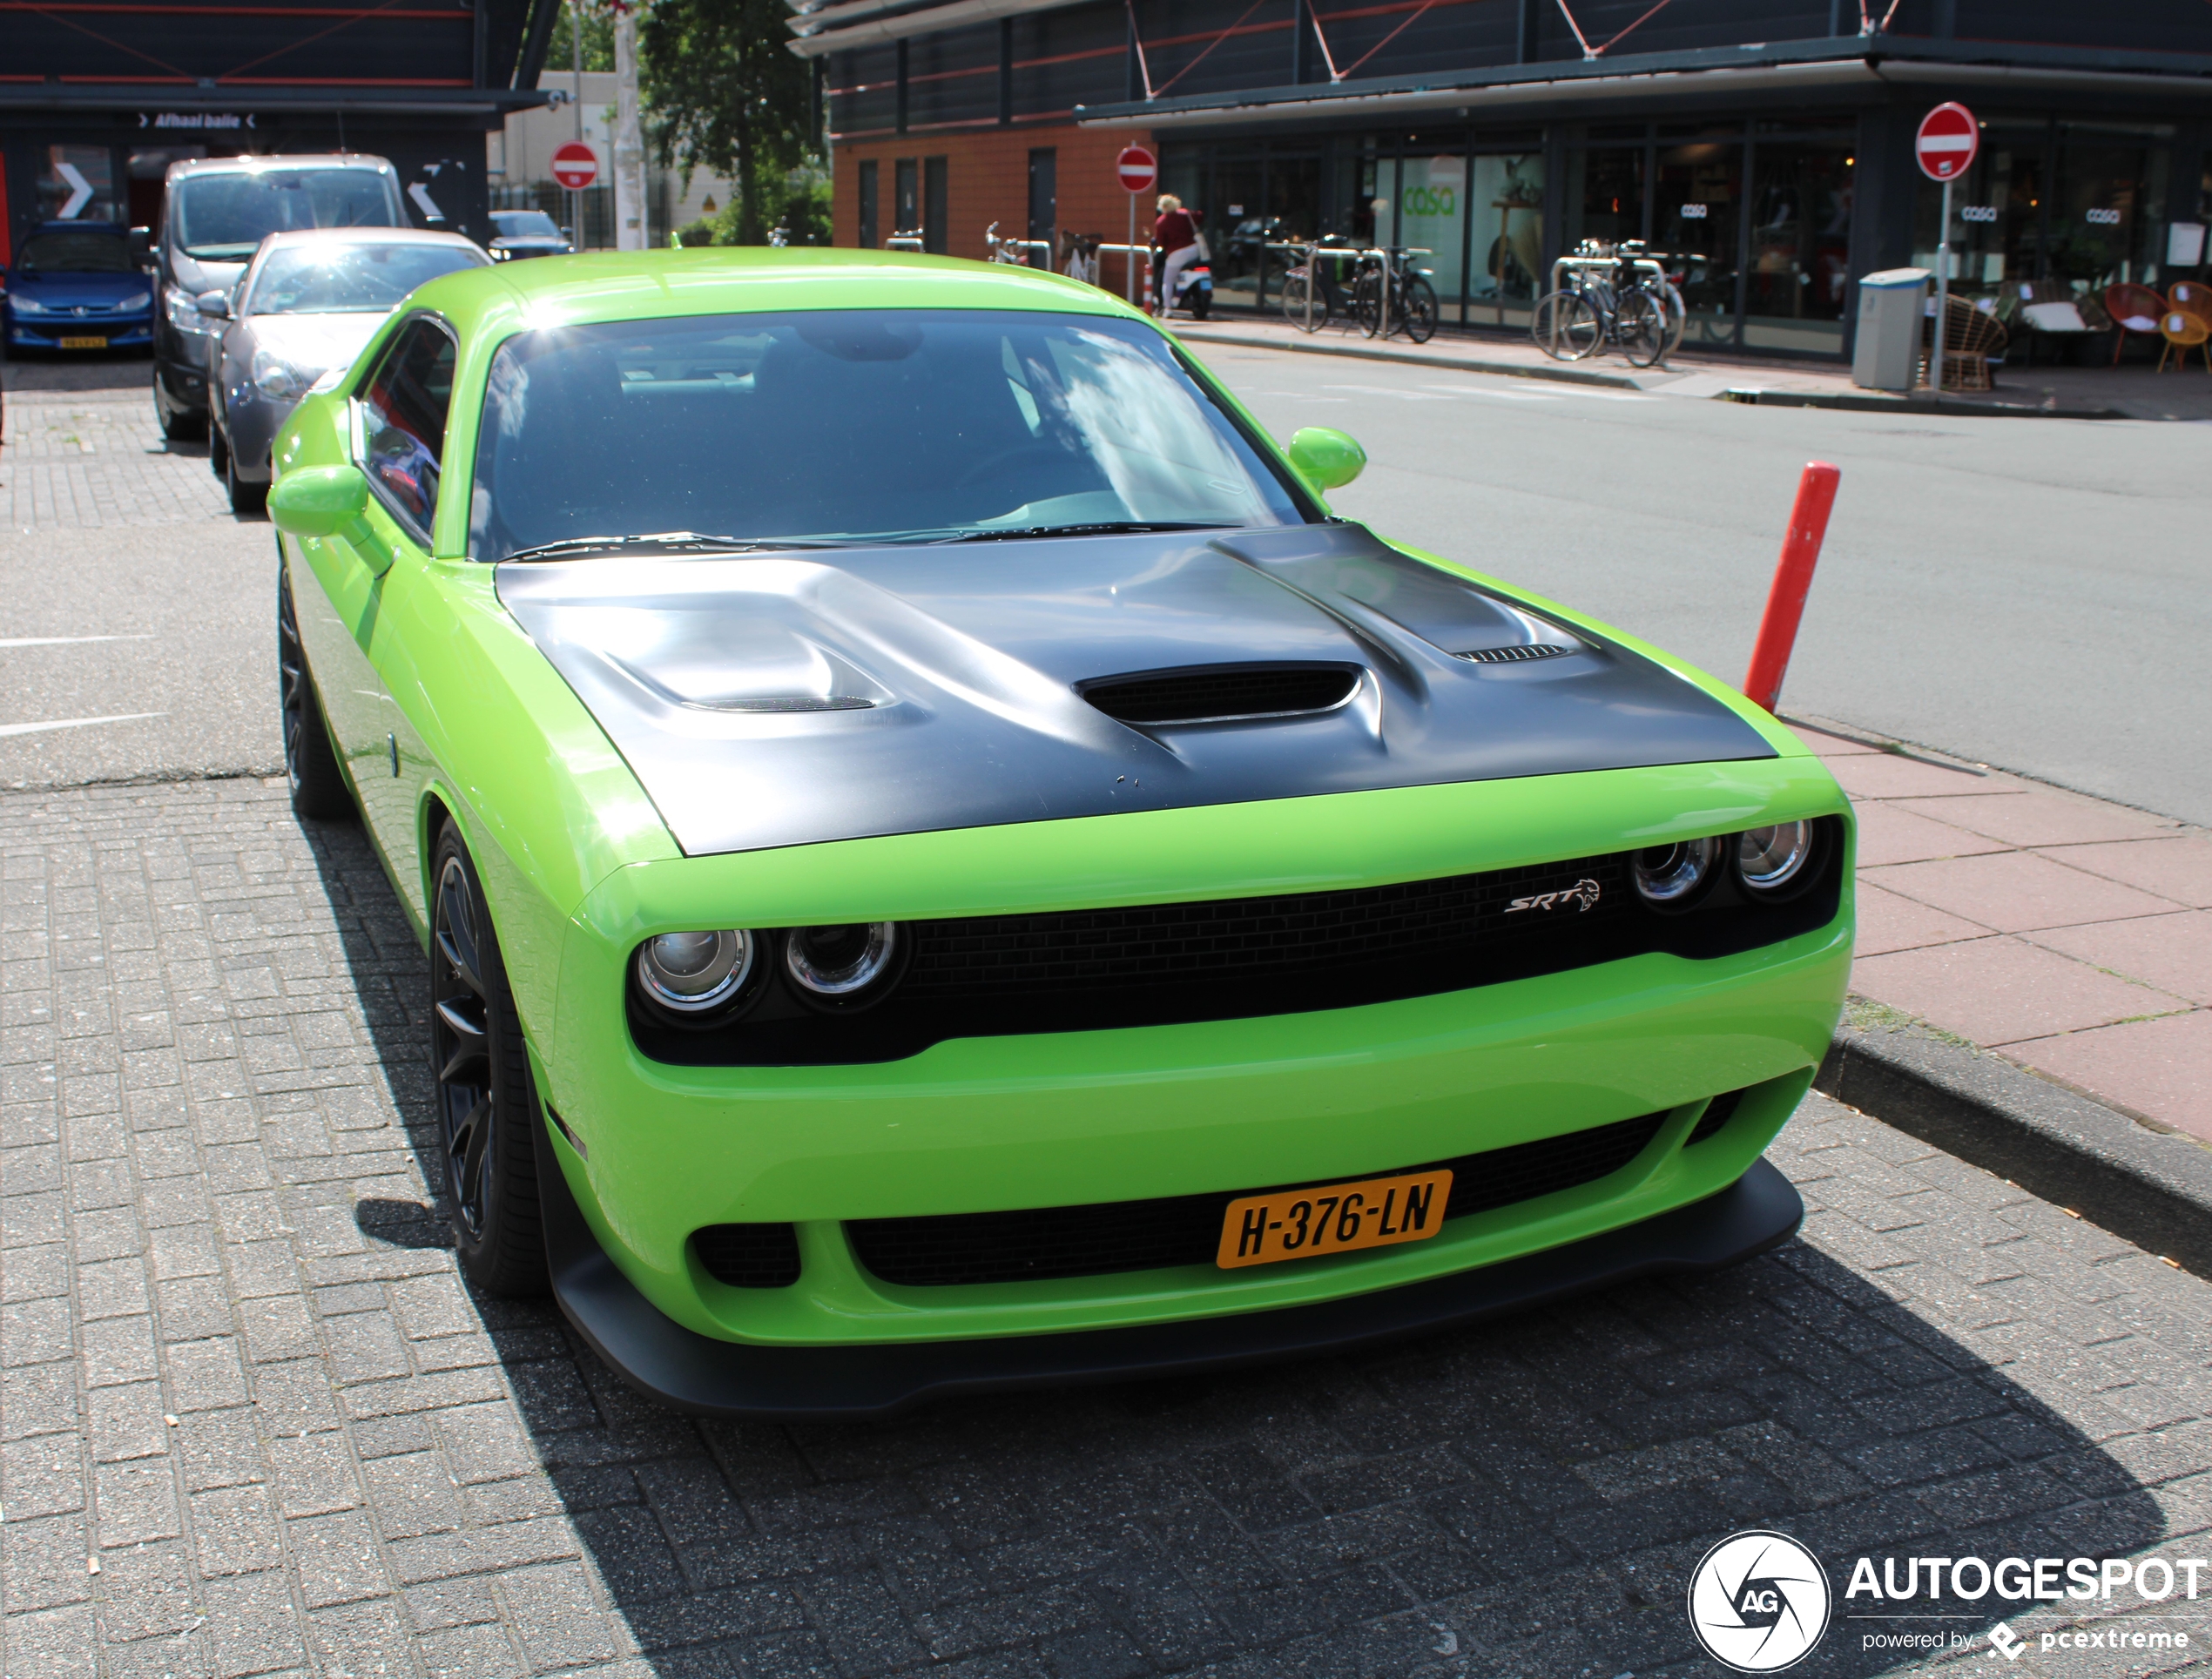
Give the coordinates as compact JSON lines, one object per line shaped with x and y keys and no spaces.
{"x":1527,"y":1498}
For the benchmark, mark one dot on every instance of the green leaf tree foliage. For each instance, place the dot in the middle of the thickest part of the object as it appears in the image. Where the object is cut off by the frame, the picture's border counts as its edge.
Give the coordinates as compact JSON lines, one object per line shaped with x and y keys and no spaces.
{"x":728,"y":97}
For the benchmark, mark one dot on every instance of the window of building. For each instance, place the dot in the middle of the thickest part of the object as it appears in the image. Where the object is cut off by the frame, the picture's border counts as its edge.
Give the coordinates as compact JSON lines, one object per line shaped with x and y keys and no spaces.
{"x":936,"y":215}
{"x":906,"y":212}
{"x":869,"y":183}
{"x":77,"y":183}
{"x":1697,"y":220}
{"x":1505,"y":254}
{"x":1798,"y":274}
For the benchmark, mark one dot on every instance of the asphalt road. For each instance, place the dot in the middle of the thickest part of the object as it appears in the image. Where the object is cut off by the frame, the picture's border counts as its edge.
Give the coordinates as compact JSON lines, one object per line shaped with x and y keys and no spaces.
{"x":2032,"y":594}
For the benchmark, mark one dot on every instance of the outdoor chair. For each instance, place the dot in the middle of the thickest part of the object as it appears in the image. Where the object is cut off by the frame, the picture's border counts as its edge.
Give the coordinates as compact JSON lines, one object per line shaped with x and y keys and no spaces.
{"x":2050,"y":308}
{"x":1973,"y":338}
{"x":2134,"y":309}
{"x":2182,"y":333}
{"x":2192,"y":297}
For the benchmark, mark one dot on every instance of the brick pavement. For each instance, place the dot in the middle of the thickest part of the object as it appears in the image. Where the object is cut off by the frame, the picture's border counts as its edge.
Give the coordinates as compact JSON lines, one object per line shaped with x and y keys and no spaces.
{"x":2070,"y":935}
{"x":80,"y":459}
{"x":255,"y":1424}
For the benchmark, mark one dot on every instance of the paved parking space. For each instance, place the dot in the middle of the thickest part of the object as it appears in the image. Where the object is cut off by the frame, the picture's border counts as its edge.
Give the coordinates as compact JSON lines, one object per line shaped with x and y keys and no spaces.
{"x":255,"y":1424}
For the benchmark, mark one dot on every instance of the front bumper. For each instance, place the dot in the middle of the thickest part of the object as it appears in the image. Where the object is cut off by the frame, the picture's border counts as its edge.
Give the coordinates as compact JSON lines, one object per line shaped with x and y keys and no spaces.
{"x":692,"y":1372}
{"x":47,"y":332}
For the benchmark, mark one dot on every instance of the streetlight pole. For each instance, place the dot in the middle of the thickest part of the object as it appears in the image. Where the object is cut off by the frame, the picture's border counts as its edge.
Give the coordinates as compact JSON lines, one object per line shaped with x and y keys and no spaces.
{"x":576,"y":98}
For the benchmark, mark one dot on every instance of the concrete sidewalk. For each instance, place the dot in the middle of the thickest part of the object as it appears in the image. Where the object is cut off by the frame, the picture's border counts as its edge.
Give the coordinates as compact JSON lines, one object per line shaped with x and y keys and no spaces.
{"x":2130,"y":392}
{"x":2068,"y":936}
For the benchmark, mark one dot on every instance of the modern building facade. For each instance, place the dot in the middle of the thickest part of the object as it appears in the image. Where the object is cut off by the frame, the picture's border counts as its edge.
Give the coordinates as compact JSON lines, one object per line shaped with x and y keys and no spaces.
{"x":97,"y":100}
{"x":1767,"y":144}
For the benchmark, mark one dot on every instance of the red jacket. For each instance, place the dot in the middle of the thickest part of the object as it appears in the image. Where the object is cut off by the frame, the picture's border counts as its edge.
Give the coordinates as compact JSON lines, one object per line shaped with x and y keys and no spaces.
{"x":1173,"y":231}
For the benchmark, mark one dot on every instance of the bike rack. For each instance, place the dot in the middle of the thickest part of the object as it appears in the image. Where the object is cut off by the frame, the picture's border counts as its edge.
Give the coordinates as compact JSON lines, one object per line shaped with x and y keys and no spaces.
{"x":1605,"y":264}
{"x":1341,"y":253}
{"x":903,"y":242}
{"x":996,"y":247}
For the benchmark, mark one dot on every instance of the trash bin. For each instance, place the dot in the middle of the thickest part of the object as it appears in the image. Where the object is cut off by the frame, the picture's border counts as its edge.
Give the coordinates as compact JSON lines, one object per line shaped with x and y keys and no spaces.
{"x":1892,"y":313}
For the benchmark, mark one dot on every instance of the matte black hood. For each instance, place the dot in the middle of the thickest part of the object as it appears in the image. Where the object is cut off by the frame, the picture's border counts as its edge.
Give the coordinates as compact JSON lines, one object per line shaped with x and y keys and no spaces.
{"x":794,"y":697}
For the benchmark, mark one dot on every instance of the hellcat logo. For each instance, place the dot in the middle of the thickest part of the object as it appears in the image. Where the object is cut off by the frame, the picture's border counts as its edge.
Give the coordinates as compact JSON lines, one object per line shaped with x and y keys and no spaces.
{"x":1584,"y":892}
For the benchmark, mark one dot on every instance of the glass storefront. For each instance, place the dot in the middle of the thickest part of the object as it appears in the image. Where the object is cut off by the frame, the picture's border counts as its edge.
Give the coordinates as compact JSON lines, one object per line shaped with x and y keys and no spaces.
{"x":1696,"y":224}
{"x":2076,"y":205}
{"x":1505,"y":253}
{"x":1798,"y":271}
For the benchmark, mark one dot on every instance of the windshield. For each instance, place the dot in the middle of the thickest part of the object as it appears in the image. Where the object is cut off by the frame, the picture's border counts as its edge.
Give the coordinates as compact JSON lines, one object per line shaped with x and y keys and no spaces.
{"x":343,"y":276}
{"x":226,"y":216}
{"x":850,"y":426}
{"x":524,"y":223}
{"x":85,"y":253}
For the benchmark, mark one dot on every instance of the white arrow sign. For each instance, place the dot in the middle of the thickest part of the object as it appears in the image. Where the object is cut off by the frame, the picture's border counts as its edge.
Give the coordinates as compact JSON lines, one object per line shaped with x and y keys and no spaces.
{"x":80,"y":190}
{"x":424,"y":202}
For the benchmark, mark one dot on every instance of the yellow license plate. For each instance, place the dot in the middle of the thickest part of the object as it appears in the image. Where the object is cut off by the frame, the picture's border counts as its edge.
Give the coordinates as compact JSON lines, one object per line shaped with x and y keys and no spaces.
{"x":1264,"y":1230}
{"x":84,"y":343}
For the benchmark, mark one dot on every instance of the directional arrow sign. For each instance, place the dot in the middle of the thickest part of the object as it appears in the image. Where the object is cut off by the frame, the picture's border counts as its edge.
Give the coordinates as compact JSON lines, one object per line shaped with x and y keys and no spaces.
{"x":425,"y":203}
{"x":80,"y":190}
{"x":1949,"y":139}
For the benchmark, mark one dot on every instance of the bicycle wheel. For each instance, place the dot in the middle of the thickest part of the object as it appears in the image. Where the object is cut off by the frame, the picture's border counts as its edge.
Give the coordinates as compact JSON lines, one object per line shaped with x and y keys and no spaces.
{"x":1420,"y":310}
{"x":1565,"y":326}
{"x":1297,"y":287}
{"x":1640,"y":324}
{"x":1366,"y":302}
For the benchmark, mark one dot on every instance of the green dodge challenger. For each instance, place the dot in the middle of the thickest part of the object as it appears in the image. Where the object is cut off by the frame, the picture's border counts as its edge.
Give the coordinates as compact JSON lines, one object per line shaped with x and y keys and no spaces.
{"x":944,"y":866}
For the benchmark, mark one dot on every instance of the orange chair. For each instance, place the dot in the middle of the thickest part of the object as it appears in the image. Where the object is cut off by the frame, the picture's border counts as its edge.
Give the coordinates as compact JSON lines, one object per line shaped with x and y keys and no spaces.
{"x":2192,"y":297}
{"x":2134,"y":309}
{"x":2184,"y":333}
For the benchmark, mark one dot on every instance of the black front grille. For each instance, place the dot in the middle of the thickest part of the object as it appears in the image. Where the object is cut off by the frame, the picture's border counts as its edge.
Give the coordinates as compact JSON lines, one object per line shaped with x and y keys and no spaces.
{"x":1718,"y":1112}
{"x":1222,"y":694}
{"x":1243,"y":958}
{"x":749,"y":1256}
{"x":1041,"y":1244}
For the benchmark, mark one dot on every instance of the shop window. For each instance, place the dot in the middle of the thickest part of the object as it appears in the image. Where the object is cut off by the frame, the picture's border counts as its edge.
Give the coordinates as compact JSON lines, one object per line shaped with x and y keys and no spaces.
{"x":936,"y":192}
{"x":1997,"y":217}
{"x":1604,"y":194}
{"x":1237,"y":230}
{"x":1044,"y":199}
{"x":2109,"y":207}
{"x":1799,"y":278}
{"x":1506,"y":210}
{"x":1696,"y":217}
{"x":77,"y":183}
{"x":1430,"y":212}
{"x":907,"y":191}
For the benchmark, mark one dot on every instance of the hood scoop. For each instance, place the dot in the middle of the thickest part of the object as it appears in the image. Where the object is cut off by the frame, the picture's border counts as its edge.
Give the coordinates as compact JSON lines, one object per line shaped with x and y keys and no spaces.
{"x":1222,"y":694}
{"x":1516,"y":653}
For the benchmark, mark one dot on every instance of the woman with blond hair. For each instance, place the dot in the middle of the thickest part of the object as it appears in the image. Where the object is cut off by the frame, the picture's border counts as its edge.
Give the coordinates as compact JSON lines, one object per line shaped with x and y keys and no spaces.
{"x":1175,"y":242}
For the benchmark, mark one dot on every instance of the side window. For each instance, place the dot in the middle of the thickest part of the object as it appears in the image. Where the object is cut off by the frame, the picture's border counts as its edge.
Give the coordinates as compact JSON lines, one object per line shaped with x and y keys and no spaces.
{"x":403,"y":422}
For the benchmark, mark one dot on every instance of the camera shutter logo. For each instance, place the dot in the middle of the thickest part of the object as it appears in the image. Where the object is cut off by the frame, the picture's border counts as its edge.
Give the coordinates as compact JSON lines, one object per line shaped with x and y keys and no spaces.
{"x":1759,"y":1601}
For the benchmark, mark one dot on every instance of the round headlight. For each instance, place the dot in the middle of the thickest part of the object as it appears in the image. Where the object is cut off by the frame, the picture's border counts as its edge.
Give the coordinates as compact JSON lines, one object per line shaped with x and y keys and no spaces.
{"x":1671,"y":877}
{"x":692,"y":972}
{"x":836,"y":964}
{"x":1772,"y":860}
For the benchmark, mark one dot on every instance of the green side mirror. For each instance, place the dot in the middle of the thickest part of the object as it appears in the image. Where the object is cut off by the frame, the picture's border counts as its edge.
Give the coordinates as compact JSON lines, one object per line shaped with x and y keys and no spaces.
{"x":1326,"y":458}
{"x":318,"y":501}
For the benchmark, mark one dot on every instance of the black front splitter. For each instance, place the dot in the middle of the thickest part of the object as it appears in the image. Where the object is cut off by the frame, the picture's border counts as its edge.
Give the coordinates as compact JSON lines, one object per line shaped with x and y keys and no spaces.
{"x":689,"y":1372}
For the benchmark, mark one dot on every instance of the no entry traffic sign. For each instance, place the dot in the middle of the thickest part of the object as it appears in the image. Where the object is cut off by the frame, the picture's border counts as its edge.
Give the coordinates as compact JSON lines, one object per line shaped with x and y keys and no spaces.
{"x":1137,"y":168}
{"x":575,"y":165}
{"x":1949,"y":139}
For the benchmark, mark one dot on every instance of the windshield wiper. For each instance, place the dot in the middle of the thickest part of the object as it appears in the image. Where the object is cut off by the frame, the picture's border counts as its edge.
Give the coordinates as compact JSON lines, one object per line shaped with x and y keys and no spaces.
{"x":671,"y":542}
{"x":1091,"y":527}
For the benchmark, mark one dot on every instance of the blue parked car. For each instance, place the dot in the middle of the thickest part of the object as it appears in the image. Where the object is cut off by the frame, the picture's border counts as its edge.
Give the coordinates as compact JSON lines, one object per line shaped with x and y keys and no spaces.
{"x":77,"y":285}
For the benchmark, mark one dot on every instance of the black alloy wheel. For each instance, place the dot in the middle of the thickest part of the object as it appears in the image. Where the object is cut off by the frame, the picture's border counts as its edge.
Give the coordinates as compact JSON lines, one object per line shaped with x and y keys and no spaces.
{"x":310,"y":762}
{"x":177,"y":424}
{"x":245,"y":498}
{"x":487,"y":1109}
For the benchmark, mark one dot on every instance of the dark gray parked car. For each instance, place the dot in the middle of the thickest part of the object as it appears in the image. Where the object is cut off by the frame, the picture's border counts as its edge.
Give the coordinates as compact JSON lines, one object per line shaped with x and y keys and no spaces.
{"x":527,"y":233}
{"x":306,"y":306}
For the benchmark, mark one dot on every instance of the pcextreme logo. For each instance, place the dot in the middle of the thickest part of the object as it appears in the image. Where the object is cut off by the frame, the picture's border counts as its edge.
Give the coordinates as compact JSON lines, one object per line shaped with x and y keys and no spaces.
{"x":1759,"y":1601}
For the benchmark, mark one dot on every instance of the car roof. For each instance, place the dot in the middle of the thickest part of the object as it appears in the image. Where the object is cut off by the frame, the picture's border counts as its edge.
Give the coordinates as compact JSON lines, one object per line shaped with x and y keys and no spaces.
{"x":366,"y":236}
{"x":735,"y":280}
{"x":287,"y":160}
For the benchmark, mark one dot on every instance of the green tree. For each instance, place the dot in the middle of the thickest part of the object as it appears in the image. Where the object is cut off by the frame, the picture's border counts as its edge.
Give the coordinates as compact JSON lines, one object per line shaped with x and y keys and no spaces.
{"x":727,"y":96}
{"x":599,"y":39}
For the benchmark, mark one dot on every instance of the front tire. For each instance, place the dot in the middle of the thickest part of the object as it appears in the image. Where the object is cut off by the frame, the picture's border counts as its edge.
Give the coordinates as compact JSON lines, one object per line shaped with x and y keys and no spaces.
{"x":247,"y":499}
{"x":487,"y":1111}
{"x":310,"y":763}
{"x":178,"y":425}
{"x":1565,"y":326}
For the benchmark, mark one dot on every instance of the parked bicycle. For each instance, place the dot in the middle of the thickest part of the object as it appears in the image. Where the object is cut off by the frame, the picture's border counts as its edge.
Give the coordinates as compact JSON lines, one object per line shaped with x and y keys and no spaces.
{"x":1313,"y":293}
{"x":1389,"y":295}
{"x":1609,"y":301}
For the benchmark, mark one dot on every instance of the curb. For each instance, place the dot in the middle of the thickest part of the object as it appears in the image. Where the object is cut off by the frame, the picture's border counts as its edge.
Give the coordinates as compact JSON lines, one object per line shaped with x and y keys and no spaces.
{"x":1772,"y":399}
{"x":1304,"y":345}
{"x":2143,"y":1181}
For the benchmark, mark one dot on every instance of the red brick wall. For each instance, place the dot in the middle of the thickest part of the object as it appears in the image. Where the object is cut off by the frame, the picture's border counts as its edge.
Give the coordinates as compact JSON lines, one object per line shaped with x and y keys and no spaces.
{"x":987,"y":180}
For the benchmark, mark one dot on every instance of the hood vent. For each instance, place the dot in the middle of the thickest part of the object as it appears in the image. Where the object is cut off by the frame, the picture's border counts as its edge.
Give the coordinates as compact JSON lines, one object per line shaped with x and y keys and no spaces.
{"x":1223,"y":693}
{"x":1514,"y":655}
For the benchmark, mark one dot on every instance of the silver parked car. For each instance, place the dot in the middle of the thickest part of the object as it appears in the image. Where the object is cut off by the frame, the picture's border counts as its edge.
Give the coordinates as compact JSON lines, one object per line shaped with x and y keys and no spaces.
{"x":306,"y":305}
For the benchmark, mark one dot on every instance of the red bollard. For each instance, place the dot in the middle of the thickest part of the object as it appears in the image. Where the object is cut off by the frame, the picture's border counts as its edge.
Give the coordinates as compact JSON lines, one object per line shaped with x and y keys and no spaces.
{"x":1785,"y":601}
